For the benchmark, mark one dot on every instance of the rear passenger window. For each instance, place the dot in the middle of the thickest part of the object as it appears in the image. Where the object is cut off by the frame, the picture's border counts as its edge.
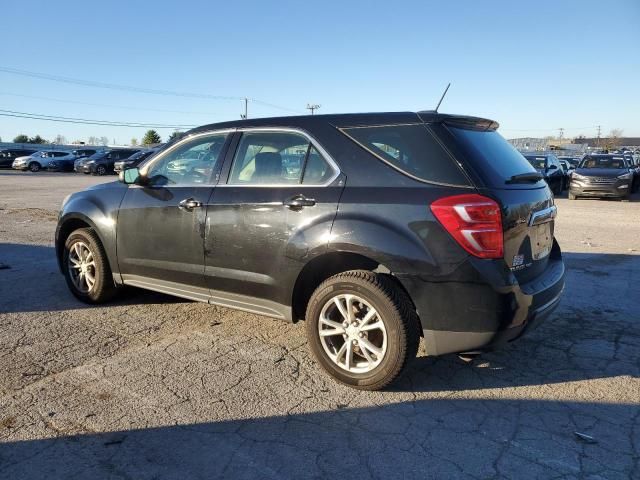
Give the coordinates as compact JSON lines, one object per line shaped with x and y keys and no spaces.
{"x":412,"y":149}
{"x":278,"y":158}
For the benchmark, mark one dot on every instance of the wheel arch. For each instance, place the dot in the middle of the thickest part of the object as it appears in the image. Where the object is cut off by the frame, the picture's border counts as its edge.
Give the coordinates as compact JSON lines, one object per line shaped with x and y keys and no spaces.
{"x":66,"y":226}
{"x":327,"y":265}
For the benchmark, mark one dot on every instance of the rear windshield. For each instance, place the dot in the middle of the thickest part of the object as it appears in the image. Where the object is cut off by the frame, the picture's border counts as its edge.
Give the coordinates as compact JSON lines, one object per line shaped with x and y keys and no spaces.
{"x":491,"y":155}
{"x":412,"y":149}
{"x":603,"y":162}
{"x":537,"y":162}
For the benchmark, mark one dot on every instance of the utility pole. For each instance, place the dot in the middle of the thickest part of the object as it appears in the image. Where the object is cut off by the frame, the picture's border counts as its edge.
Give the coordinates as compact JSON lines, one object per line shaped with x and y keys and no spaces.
{"x":598,"y":135}
{"x":561,"y":131}
{"x":312,"y":107}
{"x":245,"y":115}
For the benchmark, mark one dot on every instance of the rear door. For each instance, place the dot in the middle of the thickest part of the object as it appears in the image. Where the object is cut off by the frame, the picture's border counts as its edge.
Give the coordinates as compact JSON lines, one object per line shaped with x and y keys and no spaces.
{"x":274,"y":210}
{"x":528,"y":209}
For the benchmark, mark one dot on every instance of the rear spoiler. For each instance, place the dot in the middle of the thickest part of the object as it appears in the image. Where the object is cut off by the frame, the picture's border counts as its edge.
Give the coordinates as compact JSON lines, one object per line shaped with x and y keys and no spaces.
{"x":461,"y":121}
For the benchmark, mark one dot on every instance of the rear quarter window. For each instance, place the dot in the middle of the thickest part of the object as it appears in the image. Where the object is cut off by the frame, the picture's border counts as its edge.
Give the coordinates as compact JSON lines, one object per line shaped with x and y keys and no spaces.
{"x":411,"y":149}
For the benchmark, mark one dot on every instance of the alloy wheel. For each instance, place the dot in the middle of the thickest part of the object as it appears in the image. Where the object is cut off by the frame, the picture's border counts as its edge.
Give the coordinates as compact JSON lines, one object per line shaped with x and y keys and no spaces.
{"x":82,"y":267}
{"x":352,"y":333}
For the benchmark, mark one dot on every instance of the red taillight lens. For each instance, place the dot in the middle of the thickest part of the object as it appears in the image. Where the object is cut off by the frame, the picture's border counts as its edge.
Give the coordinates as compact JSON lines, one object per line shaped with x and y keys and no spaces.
{"x":474,"y":222}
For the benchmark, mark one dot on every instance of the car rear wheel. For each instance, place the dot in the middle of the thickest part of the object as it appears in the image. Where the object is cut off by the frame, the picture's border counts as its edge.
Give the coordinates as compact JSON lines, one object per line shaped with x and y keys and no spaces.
{"x":35,"y":166}
{"x":362,"y":329}
{"x":101,"y":170}
{"x":86,"y":268}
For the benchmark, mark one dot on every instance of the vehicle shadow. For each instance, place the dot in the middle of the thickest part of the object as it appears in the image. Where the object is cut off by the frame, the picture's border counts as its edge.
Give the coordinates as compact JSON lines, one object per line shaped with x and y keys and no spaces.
{"x":436,"y":438}
{"x":30,"y":281}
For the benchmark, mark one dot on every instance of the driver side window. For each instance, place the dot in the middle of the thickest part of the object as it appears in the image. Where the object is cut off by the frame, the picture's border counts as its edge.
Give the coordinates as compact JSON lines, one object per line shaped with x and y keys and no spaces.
{"x":192,"y":162}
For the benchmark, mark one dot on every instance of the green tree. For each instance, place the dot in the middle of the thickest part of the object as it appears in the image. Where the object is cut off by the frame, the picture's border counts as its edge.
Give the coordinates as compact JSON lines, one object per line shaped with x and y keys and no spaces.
{"x":22,"y":138}
{"x":37,"y":140}
{"x":151,"y":138}
{"x":175,"y":135}
{"x":134,"y":142}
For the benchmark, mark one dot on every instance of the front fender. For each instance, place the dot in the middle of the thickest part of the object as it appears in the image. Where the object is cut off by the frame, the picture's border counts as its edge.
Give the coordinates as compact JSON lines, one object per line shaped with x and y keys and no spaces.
{"x":97,"y":209}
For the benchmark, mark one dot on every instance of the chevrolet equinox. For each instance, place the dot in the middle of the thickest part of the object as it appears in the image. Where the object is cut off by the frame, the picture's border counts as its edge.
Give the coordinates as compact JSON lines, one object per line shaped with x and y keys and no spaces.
{"x":376,"y":229}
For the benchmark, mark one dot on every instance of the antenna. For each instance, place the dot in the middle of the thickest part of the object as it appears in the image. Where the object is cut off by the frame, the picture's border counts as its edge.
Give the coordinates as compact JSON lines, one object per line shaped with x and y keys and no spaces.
{"x":442,"y":97}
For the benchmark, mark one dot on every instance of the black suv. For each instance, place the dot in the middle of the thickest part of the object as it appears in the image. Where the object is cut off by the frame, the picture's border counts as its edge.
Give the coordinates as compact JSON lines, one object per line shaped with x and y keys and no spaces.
{"x":549,"y":167}
{"x":101,"y":163}
{"x":375,"y":228}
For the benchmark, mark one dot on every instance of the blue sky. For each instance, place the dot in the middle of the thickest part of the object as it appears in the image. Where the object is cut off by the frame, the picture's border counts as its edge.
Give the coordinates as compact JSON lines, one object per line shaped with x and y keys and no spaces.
{"x":533,"y":66}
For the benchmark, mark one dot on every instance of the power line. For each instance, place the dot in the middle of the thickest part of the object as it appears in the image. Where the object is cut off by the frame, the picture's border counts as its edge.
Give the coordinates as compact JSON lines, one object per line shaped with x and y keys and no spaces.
{"x":75,"y":102}
{"x":86,"y":121}
{"x":128,"y":88}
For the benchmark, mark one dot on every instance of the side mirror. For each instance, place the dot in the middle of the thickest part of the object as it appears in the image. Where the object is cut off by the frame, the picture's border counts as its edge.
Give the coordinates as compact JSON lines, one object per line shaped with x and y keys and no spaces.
{"x":129,"y":176}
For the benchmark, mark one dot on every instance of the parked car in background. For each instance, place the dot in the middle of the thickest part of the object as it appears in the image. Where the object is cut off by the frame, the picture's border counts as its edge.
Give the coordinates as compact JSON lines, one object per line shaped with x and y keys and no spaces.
{"x":566,"y":170}
{"x":134,"y":160}
{"x":573,"y":161}
{"x":58,"y":162}
{"x":39,"y":160}
{"x":601,"y":175}
{"x":8,"y":155}
{"x":84,"y":152}
{"x":635,"y":169}
{"x":549,"y":167}
{"x":101,"y":163}
{"x":386,"y":227}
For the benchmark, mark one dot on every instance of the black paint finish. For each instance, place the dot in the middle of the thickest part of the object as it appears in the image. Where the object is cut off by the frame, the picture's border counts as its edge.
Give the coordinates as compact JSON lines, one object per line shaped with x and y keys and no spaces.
{"x":249,"y":247}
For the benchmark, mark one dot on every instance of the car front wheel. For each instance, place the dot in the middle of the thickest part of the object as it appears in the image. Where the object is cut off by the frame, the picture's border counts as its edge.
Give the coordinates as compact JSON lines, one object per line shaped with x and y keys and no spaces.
{"x":34,"y":167}
{"x":362,"y":329}
{"x":101,"y":170}
{"x":86,"y":268}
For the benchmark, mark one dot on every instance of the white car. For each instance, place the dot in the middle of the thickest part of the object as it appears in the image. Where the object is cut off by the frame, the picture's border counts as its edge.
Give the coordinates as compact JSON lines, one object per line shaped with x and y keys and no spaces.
{"x":39,"y":160}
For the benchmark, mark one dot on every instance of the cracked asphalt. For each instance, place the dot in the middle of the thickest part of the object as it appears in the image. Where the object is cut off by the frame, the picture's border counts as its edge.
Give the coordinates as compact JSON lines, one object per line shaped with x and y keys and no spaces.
{"x":153,"y":387}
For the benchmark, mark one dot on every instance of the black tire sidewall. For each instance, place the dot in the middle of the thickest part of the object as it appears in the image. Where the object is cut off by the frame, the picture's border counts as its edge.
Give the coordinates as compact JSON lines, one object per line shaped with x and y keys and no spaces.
{"x":389,"y":315}
{"x":101,"y":289}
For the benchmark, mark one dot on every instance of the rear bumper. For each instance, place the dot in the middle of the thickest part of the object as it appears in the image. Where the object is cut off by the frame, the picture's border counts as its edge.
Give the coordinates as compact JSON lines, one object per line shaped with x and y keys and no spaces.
{"x":488,"y":309}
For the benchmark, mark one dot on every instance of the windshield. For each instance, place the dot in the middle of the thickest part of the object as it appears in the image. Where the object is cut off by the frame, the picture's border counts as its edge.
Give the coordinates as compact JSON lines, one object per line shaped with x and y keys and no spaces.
{"x":539,"y":163}
{"x":603,"y":162}
{"x":140,"y":154}
{"x":97,"y":155}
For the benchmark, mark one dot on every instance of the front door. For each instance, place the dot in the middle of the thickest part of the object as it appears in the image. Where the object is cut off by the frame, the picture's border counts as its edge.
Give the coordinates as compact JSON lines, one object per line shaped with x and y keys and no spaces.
{"x":274,"y":212}
{"x":160,"y":229}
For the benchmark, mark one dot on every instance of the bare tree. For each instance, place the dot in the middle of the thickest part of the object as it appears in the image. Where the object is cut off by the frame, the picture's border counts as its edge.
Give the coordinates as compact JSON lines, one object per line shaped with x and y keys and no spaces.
{"x":104,"y":141}
{"x":614,"y":138}
{"x":60,"y":139}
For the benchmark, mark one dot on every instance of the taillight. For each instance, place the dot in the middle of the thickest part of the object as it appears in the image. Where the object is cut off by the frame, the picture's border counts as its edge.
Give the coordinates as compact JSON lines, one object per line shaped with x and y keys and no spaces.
{"x":474,"y":222}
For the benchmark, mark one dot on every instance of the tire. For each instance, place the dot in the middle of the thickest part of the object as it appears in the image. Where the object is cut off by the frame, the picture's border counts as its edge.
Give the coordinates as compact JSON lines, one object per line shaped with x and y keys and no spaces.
{"x":34,"y":167}
{"x":101,"y":170}
{"x":571,"y":196}
{"x":393,"y":309}
{"x":103,"y":288}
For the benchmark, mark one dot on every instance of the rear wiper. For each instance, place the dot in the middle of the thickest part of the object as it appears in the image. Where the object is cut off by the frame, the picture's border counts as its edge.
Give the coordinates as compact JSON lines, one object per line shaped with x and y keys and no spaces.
{"x":529,"y":177}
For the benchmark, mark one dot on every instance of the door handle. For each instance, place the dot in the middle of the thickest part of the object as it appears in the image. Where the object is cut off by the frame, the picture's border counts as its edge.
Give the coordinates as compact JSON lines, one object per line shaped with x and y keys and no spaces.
{"x":189,"y":204}
{"x":298,"y":202}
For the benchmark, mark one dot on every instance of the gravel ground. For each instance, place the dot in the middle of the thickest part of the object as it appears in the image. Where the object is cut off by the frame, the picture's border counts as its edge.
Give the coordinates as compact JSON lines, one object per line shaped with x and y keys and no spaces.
{"x":156,"y":387}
